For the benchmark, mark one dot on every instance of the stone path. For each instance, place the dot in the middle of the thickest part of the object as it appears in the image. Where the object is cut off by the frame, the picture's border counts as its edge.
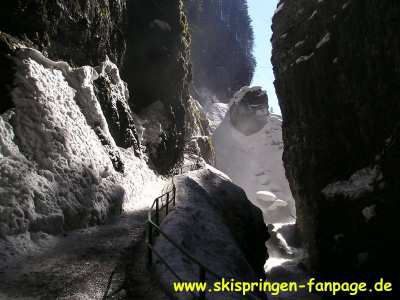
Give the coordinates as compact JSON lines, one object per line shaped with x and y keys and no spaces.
{"x":79,"y":265}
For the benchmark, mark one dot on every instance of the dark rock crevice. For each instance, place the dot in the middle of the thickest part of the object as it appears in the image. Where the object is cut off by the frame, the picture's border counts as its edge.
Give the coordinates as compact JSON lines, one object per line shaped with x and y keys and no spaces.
{"x":157,"y":68}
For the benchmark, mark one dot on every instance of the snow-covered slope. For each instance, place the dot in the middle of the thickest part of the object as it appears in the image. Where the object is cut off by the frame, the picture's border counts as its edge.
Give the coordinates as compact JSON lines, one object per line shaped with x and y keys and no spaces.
{"x":57,"y":156}
{"x":216,"y":224}
{"x":254,"y":162}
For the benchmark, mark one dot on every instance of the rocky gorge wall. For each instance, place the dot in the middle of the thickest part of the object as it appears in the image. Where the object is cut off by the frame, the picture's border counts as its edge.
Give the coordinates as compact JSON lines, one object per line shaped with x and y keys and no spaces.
{"x":157,"y":70}
{"x":60,"y":64}
{"x":337,"y":80}
{"x":149,"y":43}
{"x":222,"y":46}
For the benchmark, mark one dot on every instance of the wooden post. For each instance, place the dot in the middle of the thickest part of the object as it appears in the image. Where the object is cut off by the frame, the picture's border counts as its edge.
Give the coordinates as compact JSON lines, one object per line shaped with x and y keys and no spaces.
{"x":202,"y":279}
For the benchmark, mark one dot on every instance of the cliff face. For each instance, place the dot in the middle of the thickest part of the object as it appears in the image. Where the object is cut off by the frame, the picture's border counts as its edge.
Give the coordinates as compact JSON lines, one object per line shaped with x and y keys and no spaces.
{"x":148,"y":42}
{"x":60,"y":168}
{"x":79,"y":32}
{"x":222,"y":45}
{"x":336,"y":68}
{"x":90,"y":170}
{"x":157,"y":70}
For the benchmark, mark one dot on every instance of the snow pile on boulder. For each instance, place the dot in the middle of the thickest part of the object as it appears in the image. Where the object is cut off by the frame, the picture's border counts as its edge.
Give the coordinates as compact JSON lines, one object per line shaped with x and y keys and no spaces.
{"x":60,"y":168}
{"x":254,"y":161}
{"x":216,"y":224}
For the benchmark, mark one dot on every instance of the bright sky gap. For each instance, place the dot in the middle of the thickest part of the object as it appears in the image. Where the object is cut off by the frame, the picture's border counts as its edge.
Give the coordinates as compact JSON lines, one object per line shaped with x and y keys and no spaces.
{"x":261,"y":12}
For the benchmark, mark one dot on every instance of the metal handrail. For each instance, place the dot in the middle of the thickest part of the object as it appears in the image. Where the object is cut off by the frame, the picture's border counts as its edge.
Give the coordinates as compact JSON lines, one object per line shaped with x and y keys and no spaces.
{"x":203,"y":270}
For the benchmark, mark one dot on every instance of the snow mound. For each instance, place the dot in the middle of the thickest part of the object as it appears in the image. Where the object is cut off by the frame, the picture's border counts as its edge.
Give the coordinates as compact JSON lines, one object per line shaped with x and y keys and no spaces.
{"x":254,"y":162}
{"x":55,"y":172}
{"x":216,"y":224}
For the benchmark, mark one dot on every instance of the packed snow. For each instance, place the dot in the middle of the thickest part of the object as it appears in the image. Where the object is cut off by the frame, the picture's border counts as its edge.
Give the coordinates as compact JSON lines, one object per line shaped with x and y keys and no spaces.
{"x":54,"y":171}
{"x":254,"y":162}
{"x":207,"y":206}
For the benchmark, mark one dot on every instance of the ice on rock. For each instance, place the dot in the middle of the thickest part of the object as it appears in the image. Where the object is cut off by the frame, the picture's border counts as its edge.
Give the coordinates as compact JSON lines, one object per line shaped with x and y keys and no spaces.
{"x":304,"y":58}
{"x":359,"y":184}
{"x":55,"y":173}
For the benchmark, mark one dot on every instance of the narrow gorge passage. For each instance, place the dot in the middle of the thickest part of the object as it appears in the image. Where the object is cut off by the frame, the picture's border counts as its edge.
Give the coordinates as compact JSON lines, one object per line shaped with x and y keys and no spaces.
{"x":290,"y":107}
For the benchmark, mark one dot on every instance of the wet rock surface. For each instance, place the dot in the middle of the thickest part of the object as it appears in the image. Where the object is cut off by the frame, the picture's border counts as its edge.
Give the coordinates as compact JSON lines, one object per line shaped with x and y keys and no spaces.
{"x":337,"y":78}
{"x":213,"y":211}
{"x":157,"y":69}
{"x":79,"y":32}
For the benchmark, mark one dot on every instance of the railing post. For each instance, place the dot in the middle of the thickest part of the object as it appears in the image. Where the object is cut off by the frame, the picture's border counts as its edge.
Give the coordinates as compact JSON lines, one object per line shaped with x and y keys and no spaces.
{"x":166,"y":205}
{"x":157,"y":215}
{"x":173,"y":199}
{"x":149,"y":244}
{"x":202,"y":279}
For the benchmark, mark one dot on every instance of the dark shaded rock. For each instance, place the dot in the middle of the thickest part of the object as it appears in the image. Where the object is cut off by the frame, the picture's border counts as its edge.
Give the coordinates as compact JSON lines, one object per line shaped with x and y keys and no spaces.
{"x":222,"y":44}
{"x":216,"y":223}
{"x":81,"y":32}
{"x":337,"y":80}
{"x":157,"y":68}
{"x":291,"y":235}
{"x":113,"y":94}
{"x":8,"y":46}
{"x":112,"y":151}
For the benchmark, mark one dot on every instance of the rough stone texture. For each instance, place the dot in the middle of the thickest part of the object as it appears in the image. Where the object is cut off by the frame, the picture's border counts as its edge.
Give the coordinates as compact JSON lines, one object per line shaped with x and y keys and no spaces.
{"x":213,"y":211}
{"x":113,"y":94}
{"x":81,"y":32}
{"x":157,"y":68}
{"x":198,"y":133}
{"x":337,"y":80}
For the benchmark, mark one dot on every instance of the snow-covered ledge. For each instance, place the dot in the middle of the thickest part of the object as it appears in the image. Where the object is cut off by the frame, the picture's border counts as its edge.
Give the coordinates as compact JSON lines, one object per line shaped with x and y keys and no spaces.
{"x":219,"y":226}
